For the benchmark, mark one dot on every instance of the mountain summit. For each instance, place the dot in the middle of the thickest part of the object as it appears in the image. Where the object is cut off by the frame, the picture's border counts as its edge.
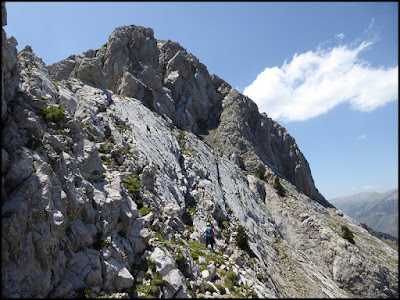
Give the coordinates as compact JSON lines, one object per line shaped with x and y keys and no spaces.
{"x":113,"y":162}
{"x":173,"y":83}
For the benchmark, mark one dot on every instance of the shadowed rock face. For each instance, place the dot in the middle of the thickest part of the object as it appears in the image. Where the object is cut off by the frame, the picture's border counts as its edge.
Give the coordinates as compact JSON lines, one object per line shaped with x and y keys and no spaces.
{"x":114,"y":160}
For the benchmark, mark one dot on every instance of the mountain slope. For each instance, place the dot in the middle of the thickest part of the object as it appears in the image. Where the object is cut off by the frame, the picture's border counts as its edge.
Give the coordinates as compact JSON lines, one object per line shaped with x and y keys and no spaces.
{"x":114,"y":160}
{"x":173,"y":83}
{"x":378,"y":210}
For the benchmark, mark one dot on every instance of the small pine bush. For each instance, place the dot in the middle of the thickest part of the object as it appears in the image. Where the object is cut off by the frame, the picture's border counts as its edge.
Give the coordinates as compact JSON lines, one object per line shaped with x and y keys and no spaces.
{"x":279,"y":188}
{"x":347,"y":234}
{"x":242,"y":238}
{"x":54,"y":114}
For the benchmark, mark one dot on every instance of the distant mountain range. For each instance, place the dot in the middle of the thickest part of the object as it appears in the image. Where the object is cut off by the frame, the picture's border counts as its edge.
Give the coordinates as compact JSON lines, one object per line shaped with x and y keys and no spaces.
{"x":378,"y":210}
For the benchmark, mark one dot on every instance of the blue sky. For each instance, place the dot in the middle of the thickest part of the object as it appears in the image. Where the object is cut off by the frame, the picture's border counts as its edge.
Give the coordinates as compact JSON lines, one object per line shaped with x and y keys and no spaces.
{"x":326,"y":71}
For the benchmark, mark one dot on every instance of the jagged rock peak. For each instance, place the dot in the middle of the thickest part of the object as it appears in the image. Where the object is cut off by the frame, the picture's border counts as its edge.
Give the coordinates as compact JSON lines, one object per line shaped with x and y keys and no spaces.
{"x":172,"y":82}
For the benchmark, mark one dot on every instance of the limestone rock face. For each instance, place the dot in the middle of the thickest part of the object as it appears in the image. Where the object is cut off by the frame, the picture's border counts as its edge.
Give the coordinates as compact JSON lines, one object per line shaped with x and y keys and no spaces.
{"x":113,"y":162}
{"x":173,"y":83}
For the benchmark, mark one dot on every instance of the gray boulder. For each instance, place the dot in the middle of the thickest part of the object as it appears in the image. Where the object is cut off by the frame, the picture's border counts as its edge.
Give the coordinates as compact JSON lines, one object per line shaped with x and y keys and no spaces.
{"x":174,"y":281}
{"x":163,"y":260}
{"x":116,"y":276}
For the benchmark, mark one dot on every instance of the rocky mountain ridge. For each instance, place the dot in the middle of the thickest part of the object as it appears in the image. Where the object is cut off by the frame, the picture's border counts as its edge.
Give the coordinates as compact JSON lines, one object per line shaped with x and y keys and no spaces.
{"x":114,"y":160}
{"x":172,"y":82}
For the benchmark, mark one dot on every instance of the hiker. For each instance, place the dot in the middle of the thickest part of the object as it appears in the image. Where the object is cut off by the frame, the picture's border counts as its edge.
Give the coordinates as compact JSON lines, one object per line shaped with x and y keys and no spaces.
{"x":209,"y":232}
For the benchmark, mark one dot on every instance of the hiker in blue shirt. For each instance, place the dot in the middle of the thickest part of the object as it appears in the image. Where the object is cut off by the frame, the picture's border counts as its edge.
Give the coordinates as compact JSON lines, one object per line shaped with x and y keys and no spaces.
{"x":209,"y":232}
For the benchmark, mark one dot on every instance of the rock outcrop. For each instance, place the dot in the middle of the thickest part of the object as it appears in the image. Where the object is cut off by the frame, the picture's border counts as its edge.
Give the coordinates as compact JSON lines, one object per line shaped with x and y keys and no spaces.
{"x":114,"y":160}
{"x":172,"y":82}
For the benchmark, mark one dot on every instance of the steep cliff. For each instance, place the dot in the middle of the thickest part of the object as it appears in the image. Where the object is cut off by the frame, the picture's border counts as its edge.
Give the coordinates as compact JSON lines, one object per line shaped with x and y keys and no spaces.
{"x":114,"y":160}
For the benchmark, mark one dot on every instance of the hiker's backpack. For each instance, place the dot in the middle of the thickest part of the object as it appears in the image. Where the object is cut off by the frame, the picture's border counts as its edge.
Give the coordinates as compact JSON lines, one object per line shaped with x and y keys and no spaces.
{"x":209,"y":232}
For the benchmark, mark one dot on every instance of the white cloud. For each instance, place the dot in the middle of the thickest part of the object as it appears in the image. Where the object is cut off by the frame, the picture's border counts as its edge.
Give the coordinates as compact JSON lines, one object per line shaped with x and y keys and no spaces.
{"x":370,"y":187}
{"x":340,"y":36}
{"x":371,"y":24}
{"x":316,"y":81}
{"x":361,"y":137}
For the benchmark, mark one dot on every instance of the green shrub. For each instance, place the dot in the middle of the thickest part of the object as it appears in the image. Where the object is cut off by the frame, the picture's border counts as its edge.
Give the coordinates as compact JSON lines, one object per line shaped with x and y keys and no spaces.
{"x":144,"y":211}
{"x":132,"y":183}
{"x":54,"y":114}
{"x":231,"y":279}
{"x":242,"y":238}
{"x":229,"y":284}
{"x":221,"y":288}
{"x":260,"y":172}
{"x":232,"y":276}
{"x":347,"y":234}
{"x":279,"y":188}
{"x":151,"y":266}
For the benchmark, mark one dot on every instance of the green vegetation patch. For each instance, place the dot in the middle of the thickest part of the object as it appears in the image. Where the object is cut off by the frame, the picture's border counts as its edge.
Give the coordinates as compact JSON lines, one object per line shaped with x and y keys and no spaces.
{"x":132,"y":183}
{"x":347,"y":234}
{"x":242,"y":238}
{"x":210,"y":288}
{"x":221,"y":288}
{"x":144,"y":211}
{"x":123,"y":127}
{"x":260,"y":172}
{"x":150,"y":291}
{"x":54,"y":114}
{"x":242,"y":241}
{"x":250,"y":293}
{"x":198,"y":249}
